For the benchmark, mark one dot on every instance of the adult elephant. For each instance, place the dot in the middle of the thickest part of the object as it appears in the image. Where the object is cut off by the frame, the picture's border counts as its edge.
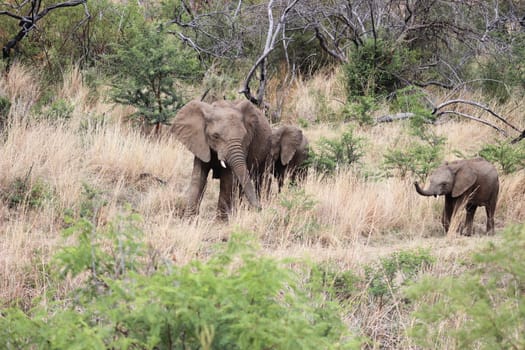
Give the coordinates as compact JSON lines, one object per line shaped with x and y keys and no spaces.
{"x":289,"y":152}
{"x":230,"y":138}
{"x":471,"y":182}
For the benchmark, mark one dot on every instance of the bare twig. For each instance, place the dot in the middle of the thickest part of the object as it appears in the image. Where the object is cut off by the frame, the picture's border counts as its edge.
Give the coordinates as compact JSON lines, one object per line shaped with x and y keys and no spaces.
{"x":34,"y":15}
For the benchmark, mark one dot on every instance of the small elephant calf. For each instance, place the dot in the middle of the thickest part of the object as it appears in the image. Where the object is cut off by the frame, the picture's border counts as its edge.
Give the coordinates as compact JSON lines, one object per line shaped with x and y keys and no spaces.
{"x":289,"y":151}
{"x":469,"y":182}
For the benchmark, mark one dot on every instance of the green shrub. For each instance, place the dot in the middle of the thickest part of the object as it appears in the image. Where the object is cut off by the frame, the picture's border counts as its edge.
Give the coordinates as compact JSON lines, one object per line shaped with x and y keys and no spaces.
{"x":374,"y":68}
{"x":66,"y":37}
{"x":89,"y":253}
{"x":360,"y":110}
{"x":418,"y":159}
{"x":510,"y":157}
{"x":5,"y":106}
{"x":503,"y":73}
{"x":235,"y":300}
{"x":338,"y":285}
{"x":414,"y":100}
{"x":60,"y":109}
{"x":295,"y":215}
{"x":24,"y":192}
{"x":482,"y":308}
{"x":147,"y":69}
{"x":324,"y":113}
{"x":303,"y":123}
{"x":333,"y":154}
{"x":385,"y":277}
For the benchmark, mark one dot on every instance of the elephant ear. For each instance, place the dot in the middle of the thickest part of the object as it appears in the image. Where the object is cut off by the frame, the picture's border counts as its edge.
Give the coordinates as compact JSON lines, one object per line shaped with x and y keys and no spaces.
{"x":290,"y":142}
{"x":188,"y":127}
{"x":275,"y":150}
{"x":465,"y":178}
{"x":250,"y":115}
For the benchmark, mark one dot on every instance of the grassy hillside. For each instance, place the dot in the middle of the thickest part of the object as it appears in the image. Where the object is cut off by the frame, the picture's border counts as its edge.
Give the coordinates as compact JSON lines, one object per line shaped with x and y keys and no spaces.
{"x":56,"y":160}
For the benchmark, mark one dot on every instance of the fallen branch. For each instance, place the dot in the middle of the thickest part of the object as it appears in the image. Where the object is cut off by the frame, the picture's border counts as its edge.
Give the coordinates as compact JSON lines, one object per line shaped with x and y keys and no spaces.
{"x":393,"y":117}
{"x":143,"y":176}
{"x":472,"y":103}
{"x":438,"y":112}
{"x":479,"y":120}
{"x":519,"y":138}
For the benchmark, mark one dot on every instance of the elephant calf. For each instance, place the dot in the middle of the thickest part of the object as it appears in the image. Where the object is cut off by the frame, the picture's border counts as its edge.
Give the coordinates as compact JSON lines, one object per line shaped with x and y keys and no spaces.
{"x":289,"y":151}
{"x":471,"y":182}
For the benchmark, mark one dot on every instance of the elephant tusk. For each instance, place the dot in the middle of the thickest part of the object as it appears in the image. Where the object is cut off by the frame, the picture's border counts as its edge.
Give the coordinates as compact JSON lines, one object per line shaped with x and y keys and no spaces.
{"x":223,"y":164}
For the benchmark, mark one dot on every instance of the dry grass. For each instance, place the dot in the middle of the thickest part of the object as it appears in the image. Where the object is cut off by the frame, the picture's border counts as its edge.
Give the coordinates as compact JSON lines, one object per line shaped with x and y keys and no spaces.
{"x":343,"y":219}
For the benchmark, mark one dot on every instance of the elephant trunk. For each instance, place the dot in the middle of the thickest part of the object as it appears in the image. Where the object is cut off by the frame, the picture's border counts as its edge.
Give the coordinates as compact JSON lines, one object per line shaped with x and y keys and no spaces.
{"x":423,"y":192}
{"x":237,"y":160}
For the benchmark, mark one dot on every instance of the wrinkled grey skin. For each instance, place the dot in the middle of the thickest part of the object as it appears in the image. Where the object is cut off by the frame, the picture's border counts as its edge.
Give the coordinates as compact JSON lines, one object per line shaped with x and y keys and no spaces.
{"x":232,"y":140}
{"x":471,"y":181}
{"x":289,"y":151}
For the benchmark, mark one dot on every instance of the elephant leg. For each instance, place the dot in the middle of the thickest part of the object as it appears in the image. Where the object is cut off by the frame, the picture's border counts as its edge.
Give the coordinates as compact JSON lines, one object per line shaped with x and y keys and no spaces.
{"x":224,"y":206}
{"x":298,"y":175}
{"x":199,"y":178}
{"x":278,"y":173}
{"x":448,"y":210}
{"x":268,"y":186}
{"x":490,"y":210}
{"x":471,"y":210}
{"x":280,"y":181}
{"x":293,"y":175}
{"x":258,"y":183}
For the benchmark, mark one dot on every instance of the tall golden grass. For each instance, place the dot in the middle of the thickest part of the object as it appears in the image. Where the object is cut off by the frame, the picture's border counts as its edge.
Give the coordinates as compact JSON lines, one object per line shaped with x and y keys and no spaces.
{"x":344,"y":218}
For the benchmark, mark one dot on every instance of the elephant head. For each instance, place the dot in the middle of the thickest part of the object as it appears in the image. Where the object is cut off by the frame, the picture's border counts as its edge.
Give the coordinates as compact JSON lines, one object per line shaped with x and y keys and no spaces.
{"x":223,"y":129}
{"x":286,"y":142}
{"x":452,"y":179}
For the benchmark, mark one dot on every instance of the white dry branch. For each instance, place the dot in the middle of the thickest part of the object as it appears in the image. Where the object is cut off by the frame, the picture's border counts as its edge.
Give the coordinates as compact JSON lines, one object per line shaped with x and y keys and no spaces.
{"x":271,"y":39}
{"x":439,"y":111}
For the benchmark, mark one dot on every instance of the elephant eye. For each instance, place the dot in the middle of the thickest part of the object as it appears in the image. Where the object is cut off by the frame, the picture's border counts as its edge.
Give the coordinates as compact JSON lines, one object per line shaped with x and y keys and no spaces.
{"x":215,"y":136}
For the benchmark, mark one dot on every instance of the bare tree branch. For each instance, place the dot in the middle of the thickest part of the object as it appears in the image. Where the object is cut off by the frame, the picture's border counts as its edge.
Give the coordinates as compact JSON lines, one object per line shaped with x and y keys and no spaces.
{"x":271,"y":38}
{"x":438,"y":112}
{"x":519,"y":138}
{"x":220,"y":32}
{"x":479,"y":120}
{"x":472,"y":103}
{"x":29,"y":22}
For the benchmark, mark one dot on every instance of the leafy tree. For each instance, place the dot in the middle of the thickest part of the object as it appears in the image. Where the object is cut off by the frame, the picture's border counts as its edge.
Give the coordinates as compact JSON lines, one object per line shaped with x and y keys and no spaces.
{"x":147,"y":69}
{"x":374,"y":68}
{"x":510,"y":157}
